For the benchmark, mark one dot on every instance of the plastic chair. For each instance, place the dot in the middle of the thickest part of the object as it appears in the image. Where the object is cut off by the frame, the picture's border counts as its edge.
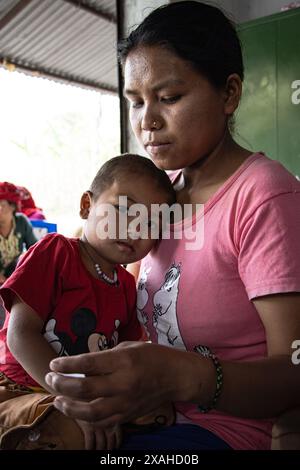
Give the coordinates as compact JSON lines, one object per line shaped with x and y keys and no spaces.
{"x":42,"y":227}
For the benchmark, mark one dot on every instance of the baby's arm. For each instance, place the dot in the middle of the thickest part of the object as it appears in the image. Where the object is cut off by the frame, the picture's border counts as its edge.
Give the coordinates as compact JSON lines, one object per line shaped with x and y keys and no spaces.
{"x":26,"y":343}
{"x":33,"y":352}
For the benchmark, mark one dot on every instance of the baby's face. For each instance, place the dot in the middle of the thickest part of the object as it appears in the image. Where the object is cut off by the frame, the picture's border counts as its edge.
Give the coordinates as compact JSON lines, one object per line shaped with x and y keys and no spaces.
{"x":124,"y":224}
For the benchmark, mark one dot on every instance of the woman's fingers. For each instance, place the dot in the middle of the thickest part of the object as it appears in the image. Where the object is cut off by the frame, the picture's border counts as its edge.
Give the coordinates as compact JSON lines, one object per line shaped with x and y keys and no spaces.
{"x":119,"y":394}
{"x":86,"y":388}
{"x":107,"y":373}
{"x":102,"y":362}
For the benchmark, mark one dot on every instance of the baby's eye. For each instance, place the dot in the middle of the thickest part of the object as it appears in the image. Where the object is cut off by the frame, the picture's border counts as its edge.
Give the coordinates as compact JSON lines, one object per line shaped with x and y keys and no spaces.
{"x":170,"y":99}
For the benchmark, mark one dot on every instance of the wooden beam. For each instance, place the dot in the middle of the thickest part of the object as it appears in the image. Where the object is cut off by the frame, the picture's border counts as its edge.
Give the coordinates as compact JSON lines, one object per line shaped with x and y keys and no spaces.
{"x":94,"y":11}
{"x":13,"y":12}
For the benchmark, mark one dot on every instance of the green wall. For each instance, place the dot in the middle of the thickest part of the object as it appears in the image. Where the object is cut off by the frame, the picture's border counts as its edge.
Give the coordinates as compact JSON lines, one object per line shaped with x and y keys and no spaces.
{"x":269,"y":115}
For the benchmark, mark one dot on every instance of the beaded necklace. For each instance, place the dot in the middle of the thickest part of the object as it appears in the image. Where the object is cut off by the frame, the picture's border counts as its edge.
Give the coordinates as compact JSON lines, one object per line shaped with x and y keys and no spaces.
{"x":99,"y":271}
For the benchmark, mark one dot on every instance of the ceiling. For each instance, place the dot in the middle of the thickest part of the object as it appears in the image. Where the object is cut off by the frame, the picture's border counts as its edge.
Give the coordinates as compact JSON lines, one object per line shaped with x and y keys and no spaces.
{"x":67,"y":40}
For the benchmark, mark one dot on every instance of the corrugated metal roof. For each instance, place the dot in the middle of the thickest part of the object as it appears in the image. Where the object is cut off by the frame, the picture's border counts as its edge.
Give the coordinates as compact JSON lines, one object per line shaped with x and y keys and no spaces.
{"x":61,"y":38}
{"x":105,"y":6}
{"x":6,"y":5}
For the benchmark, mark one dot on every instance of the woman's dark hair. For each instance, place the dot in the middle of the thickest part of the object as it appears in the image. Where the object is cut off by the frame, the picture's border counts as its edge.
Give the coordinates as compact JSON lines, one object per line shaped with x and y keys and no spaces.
{"x":198,"y":33}
{"x":131,"y":167}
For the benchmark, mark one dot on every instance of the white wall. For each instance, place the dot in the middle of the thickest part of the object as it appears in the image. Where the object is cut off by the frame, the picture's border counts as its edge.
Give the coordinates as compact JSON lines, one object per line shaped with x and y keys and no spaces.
{"x":134,"y":12}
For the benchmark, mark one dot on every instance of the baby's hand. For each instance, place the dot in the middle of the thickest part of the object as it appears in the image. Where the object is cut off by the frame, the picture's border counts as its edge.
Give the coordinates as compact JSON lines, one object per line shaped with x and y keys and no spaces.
{"x":97,"y":438}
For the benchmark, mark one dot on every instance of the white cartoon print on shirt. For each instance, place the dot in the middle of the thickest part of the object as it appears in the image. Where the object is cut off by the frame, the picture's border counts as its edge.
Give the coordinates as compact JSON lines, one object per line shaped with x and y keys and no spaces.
{"x":142,"y":299}
{"x":52,"y":338}
{"x":165,"y":309}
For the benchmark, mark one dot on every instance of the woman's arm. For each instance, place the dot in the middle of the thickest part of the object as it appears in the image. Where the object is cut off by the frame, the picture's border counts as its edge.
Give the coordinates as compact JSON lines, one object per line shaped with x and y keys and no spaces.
{"x":266,"y":388}
{"x":256,"y":389}
{"x":25,"y":341}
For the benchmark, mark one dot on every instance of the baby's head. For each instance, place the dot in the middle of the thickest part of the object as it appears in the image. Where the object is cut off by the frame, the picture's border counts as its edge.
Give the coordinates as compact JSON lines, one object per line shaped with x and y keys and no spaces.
{"x":121,"y":205}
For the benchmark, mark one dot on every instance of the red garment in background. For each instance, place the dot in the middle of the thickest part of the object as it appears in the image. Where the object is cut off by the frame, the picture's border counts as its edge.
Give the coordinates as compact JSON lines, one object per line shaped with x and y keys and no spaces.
{"x":28,"y":206}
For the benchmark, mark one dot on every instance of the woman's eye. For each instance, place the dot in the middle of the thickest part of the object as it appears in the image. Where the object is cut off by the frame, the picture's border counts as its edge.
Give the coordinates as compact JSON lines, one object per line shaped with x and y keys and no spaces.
{"x":171,"y":99}
{"x":136,"y":104}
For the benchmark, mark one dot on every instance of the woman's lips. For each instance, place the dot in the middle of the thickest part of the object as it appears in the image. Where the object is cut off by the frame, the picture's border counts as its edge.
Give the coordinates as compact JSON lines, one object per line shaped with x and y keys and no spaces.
{"x":155,"y":148}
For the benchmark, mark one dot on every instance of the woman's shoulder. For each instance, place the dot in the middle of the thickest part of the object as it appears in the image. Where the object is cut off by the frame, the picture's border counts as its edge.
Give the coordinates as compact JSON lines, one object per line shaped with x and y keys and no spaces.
{"x":21,"y":220}
{"x":267,"y":178}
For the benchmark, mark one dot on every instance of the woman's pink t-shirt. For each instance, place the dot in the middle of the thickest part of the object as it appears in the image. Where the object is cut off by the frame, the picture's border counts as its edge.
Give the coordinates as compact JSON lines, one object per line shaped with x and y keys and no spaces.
{"x":189,"y":298}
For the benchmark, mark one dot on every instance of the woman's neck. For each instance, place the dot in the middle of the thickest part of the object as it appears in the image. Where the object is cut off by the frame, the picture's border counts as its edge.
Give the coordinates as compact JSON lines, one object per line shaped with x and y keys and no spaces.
{"x":214,"y":169}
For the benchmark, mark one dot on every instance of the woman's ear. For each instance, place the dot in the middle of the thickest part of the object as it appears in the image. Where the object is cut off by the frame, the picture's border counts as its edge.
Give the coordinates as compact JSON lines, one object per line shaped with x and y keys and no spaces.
{"x":85,"y":205}
{"x":233,"y":92}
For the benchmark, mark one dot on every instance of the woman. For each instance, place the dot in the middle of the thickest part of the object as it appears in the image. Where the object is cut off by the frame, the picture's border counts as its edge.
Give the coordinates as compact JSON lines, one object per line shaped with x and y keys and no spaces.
{"x":225,"y":316}
{"x":15,"y":230}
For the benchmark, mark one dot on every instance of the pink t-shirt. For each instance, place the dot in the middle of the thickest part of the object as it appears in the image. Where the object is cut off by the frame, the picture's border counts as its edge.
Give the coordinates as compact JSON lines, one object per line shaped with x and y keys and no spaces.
{"x":189,"y":298}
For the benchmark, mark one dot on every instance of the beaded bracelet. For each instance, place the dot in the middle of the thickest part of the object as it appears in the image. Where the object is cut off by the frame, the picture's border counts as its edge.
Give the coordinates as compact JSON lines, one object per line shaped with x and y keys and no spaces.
{"x":206,"y":352}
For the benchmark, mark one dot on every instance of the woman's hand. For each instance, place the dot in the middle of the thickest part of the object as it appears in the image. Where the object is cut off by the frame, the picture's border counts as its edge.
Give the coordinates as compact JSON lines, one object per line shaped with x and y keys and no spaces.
{"x":98,"y":438}
{"x":124,"y":383}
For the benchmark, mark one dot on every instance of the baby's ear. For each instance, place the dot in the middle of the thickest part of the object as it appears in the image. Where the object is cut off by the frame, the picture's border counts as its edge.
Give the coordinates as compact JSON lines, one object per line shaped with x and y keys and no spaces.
{"x":85,"y":205}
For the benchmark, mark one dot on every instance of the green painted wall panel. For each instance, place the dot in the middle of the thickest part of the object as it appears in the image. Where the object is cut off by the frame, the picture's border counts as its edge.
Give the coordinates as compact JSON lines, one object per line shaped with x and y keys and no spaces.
{"x":288,"y":108}
{"x":269,"y":115}
{"x":256,"y":117}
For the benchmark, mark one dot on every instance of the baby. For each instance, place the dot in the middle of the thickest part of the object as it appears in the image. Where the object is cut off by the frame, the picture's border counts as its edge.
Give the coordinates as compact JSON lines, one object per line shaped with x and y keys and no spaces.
{"x":70,"y":296}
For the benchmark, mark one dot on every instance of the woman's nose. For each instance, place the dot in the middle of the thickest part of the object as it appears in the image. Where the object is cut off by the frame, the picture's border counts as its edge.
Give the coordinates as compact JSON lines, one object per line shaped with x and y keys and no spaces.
{"x":150,"y":120}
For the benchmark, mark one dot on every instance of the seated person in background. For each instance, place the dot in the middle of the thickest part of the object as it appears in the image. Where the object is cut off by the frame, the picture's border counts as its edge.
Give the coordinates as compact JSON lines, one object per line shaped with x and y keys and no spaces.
{"x":70,"y":296}
{"x":27,"y":205}
{"x":15,"y":230}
